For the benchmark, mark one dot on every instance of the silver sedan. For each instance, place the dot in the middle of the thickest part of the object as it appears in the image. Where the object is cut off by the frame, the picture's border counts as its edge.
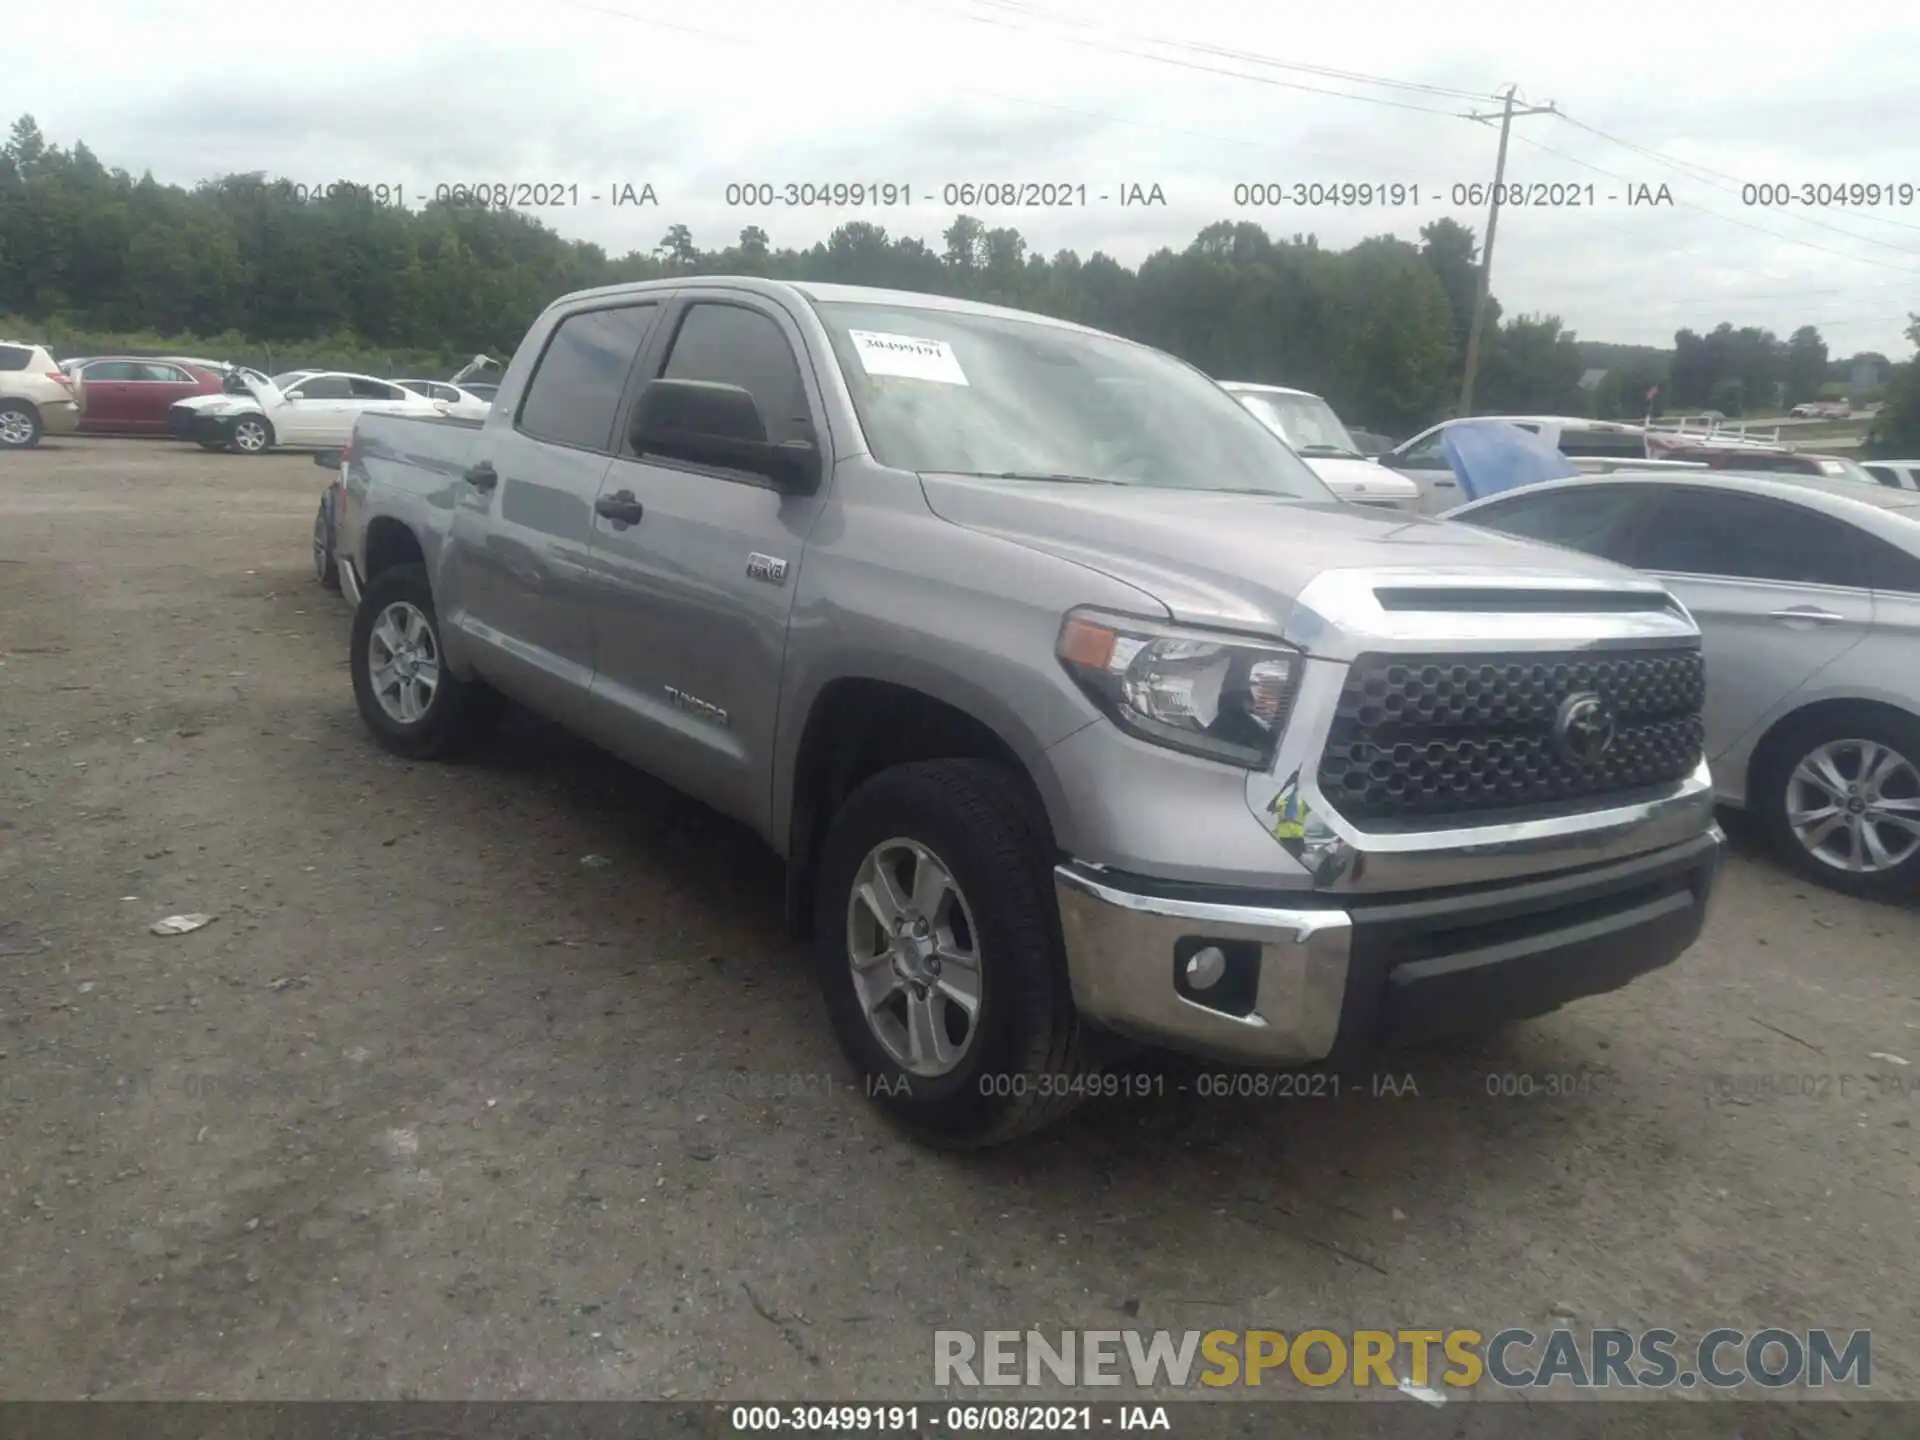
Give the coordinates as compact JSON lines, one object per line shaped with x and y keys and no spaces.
{"x":1807,"y":594}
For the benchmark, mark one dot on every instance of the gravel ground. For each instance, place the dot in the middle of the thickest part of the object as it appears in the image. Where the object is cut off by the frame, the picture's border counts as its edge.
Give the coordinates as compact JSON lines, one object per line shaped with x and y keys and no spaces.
{"x":436,"y":1109}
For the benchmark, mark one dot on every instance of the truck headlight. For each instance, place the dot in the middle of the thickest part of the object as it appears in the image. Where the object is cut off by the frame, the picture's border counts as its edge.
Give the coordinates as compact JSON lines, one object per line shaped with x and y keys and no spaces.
{"x":1220,"y":696}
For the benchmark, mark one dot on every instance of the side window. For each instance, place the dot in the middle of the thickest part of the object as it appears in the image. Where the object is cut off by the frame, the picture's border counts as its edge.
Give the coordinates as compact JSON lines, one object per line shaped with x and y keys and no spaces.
{"x":113,"y":370}
{"x":577,"y":383}
{"x":1598,"y":519}
{"x":1891,"y":568}
{"x":164,"y":374}
{"x":732,"y":345}
{"x":418,"y":387}
{"x":1746,"y":537}
{"x":324,"y":387}
{"x":374,"y":390}
{"x":15,"y":357}
{"x":446,"y":393}
{"x":1425,"y":455}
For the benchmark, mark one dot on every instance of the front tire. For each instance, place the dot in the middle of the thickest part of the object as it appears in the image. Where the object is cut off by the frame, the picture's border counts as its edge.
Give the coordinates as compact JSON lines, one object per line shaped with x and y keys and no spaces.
{"x":1840,"y":799}
{"x":939,"y":953}
{"x":413,"y":705}
{"x":19,"y":425}
{"x":252,"y":435}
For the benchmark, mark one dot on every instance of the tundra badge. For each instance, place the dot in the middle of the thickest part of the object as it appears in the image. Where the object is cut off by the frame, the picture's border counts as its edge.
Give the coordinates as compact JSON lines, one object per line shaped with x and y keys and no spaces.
{"x":766,"y":567}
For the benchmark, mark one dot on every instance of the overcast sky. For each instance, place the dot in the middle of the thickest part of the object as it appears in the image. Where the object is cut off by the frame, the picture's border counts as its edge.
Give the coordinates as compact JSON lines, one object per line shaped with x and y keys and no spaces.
{"x":933,"y":92}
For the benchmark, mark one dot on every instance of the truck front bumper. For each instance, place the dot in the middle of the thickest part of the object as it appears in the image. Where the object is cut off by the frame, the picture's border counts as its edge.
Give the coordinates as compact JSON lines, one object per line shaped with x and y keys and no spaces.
{"x":1304,"y":977}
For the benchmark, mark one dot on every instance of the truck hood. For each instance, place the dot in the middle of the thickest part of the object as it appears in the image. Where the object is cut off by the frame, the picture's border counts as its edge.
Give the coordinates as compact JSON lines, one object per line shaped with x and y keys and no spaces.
{"x":1361,"y":478}
{"x":1233,"y":560}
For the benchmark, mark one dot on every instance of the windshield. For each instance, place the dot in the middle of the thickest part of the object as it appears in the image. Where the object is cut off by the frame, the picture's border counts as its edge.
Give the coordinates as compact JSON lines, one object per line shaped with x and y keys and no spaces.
{"x":983,"y":395}
{"x":287,"y":377}
{"x":1305,"y":422}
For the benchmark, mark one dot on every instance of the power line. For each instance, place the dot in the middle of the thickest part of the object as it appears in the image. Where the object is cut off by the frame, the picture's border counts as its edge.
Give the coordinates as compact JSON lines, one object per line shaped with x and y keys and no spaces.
{"x":1729,"y":219}
{"x":1196,"y":65}
{"x":1710,"y":178}
{"x":1248,"y":57}
{"x":1241,"y":141}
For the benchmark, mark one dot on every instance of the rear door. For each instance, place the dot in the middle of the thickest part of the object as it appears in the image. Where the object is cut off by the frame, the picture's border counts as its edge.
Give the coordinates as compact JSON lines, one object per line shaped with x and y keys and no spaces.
{"x":107,"y":388}
{"x":1779,"y":591}
{"x":518,"y":552}
{"x":691,"y":602}
{"x":160,"y":385}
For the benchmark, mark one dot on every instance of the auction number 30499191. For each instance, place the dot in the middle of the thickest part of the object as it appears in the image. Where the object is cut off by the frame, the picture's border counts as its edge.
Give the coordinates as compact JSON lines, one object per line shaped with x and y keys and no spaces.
{"x":954,"y":1419}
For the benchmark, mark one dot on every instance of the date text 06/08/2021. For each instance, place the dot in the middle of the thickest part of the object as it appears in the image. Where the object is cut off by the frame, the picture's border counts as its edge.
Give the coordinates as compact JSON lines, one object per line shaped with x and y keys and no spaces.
{"x":951,"y":1419}
{"x":1397,"y":194}
{"x":478,"y":194}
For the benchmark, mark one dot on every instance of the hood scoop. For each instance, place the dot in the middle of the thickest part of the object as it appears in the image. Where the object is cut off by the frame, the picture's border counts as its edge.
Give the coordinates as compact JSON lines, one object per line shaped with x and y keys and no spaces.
{"x":1482,"y":600}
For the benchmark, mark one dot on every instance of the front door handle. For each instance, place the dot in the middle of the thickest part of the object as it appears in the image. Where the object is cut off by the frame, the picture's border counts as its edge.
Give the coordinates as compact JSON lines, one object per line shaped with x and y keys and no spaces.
{"x":621,"y":508}
{"x":1809,"y":613}
{"x":481,"y":476}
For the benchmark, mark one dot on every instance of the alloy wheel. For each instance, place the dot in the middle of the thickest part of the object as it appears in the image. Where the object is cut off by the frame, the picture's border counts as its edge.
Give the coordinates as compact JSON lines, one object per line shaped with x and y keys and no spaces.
{"x":915,"y":955}
{"x":1855,"y":805}
{"x":403,"y":662}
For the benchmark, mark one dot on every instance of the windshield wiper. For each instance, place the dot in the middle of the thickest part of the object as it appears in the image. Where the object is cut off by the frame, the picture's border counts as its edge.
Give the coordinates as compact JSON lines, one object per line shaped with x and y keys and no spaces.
{"x":1062,"y":477}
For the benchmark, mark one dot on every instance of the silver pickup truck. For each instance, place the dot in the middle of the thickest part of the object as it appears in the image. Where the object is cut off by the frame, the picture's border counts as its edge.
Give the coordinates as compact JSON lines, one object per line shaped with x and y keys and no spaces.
{"x":1083,"y":714}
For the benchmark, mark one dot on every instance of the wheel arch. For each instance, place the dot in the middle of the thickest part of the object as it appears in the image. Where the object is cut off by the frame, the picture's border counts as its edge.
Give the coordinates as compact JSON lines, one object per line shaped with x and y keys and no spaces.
{"x":1768,"y":749}
{"x":389,"y":542}
{"x":857,"y":726}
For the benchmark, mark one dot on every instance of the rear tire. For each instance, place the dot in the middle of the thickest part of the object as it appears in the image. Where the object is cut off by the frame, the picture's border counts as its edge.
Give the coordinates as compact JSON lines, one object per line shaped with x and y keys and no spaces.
{"x":325,"y":568}
{"x":1842,"y":790}
{"x":414,"y":707}
{"x":1022,"y":1061}
{"x":20,"y":427}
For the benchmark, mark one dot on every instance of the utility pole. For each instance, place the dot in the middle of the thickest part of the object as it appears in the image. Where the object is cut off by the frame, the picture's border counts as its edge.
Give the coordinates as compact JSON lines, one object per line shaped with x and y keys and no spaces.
{"x":1507,"y":113}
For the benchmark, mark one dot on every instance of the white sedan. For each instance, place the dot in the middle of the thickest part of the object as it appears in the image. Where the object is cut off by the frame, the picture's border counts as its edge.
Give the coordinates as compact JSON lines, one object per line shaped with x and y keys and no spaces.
{"x":314,"y":410}
{"x":461,"y":402}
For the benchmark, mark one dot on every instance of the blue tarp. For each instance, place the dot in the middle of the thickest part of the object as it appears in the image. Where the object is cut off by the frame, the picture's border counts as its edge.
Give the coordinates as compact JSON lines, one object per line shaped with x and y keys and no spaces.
{"x":1491,"y":456}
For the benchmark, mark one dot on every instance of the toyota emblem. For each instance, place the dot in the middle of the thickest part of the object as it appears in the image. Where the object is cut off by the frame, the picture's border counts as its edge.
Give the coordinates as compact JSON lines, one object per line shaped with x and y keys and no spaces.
{"x":1583,"y":729}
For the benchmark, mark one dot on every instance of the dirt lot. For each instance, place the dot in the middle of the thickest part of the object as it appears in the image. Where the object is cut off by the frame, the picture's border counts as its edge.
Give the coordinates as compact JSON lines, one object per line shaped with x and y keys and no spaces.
{"x":436,"y":1109}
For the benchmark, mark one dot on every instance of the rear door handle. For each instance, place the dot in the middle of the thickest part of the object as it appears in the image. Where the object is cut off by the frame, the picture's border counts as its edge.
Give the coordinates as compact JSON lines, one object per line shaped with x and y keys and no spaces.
{"x":481,"y":476}
{"x":621,"y":508}
{"x":1809,"y":613}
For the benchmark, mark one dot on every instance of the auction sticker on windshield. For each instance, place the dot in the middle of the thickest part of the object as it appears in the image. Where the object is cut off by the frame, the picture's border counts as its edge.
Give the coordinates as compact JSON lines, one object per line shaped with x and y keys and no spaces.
{"x":907,"y":356}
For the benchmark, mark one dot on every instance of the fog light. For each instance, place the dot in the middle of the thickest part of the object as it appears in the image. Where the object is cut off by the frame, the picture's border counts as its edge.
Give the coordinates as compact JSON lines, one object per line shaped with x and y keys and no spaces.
{"x":1205,"y":967}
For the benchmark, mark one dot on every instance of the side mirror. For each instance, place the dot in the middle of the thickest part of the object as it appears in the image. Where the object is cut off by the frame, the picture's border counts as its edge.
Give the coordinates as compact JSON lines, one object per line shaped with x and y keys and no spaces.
{"x":714,"y":424}
{"x":327,"y":459}
{"x":293,"y":395}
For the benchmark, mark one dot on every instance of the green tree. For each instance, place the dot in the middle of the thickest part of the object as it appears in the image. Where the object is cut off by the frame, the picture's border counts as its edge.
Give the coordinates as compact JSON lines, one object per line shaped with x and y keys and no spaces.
{"x":1806,"y":364}
{"x":1896,"y":429}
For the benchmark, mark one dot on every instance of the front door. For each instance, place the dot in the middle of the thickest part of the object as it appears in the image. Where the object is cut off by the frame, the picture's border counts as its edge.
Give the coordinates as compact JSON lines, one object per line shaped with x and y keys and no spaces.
{"x":1778,"y":591}
{"x":692,"y":597}
{"x":106,"y":393}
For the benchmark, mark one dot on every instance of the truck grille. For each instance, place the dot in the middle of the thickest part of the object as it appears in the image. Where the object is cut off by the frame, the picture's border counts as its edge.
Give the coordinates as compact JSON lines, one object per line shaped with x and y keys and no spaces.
{"x":1419,"y":735}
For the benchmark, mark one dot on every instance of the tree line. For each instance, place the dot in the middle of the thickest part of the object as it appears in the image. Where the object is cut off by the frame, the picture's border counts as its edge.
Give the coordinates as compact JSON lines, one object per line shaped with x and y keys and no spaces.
{"x":247,"y":268}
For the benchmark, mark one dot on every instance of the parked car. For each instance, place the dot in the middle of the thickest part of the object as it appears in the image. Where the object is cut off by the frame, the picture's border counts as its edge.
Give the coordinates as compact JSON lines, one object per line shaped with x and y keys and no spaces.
{"x":123,"y":396}
{"x":1821,"y":410}
{"x":1081,"y":711}
{"x":36,"y":397}
{"x":1308,"y":424}
{"x":1424,"y":460}
{"x":326,"y":569}
{"x":485,"y":390}
{"x":459,"y":400}
{"x":1807,"y":593}
{"x":318,"y":409}
{"x":1894,"y":474}
{"x":182,"y":416}
{"x":1752,"y":460}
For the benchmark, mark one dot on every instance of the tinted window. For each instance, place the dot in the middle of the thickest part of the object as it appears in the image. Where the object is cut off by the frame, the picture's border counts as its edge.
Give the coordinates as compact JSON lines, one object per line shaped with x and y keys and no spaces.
{"x":1885,"y":476}
{"x":15,"y":357}
{"x":167,"y":374}
{"x":375,"y":390}
{"x":1891,"y":568}
{"x":1712,"y":532}
{"x":576,"y":388}
{"x":325,"y":387}
{"x":735,"y":346}
{"x":114,"y":370}
{"x":418,"y":387}
{"x":1596,"y":518}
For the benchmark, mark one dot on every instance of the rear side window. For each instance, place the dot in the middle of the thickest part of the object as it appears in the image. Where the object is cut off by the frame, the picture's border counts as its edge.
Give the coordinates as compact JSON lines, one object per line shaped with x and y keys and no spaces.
{"x":15,"y":357}
{"x":576,"y":386}
{"x":729,"y":344}
{"x":1889,"y":567}
{"x":1748,"y":537}
{"x":1597,"y":519}
{"x":325,"y":387}
{"x":375,"y":390}
{"x":1607,"y":444}
{"x":114,"y":370}
{"x":1884,"y":474}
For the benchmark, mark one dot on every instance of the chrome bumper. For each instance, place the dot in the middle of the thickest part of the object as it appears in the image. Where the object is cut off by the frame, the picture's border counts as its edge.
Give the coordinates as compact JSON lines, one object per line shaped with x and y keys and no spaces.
{"x":1301,"y":983}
